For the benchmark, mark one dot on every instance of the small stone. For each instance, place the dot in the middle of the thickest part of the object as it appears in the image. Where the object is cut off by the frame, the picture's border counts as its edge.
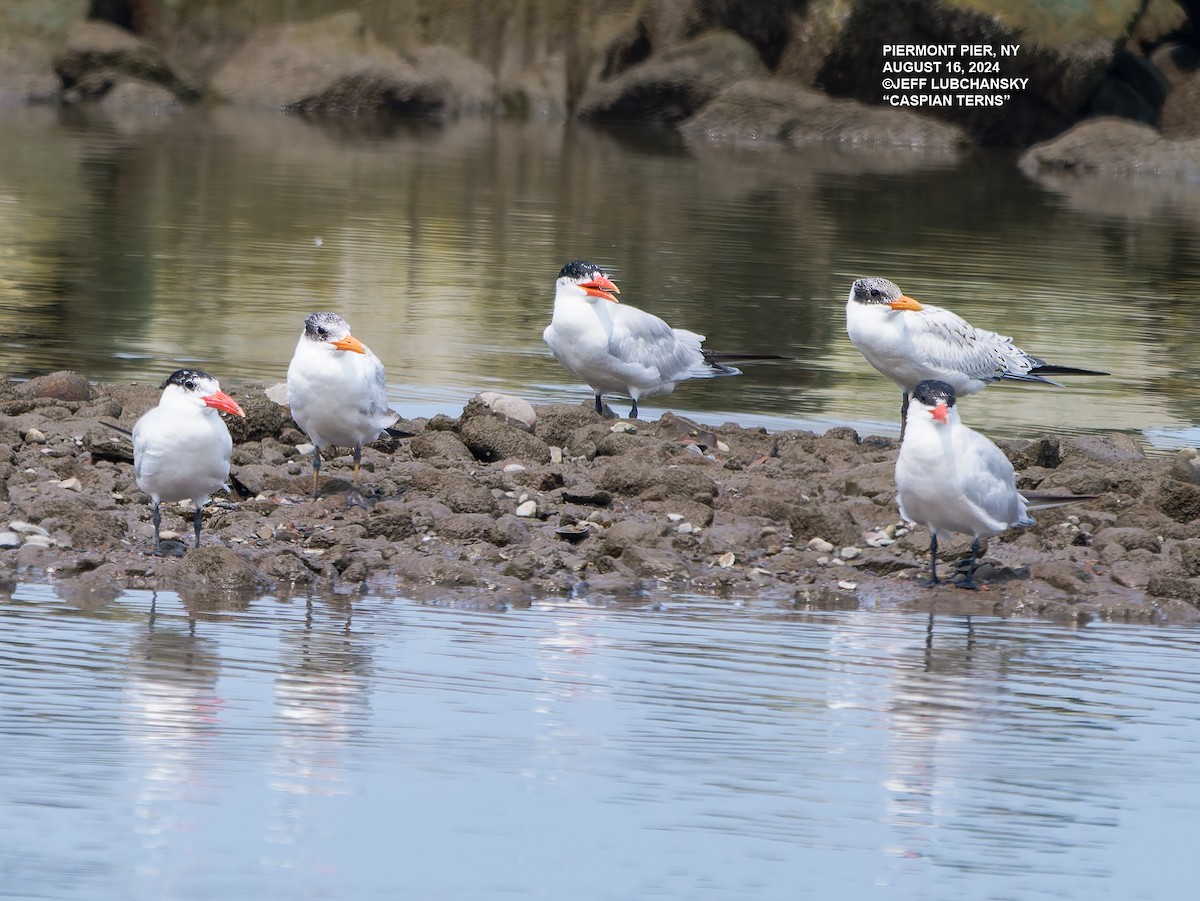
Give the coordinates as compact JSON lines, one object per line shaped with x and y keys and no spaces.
{"x":40,"y":540}
{"x":849,"y":553}
{"x":168,"y":535}
{"x":528,"y":508}
{"x":523,"y":498}
{"x":726,"y":560}
{"x":847,"y":586}
{"x":675,"y":517}
{"x":264,"y":532}
{"x":821,"y":561}
{"x":685,"y":528}
{"x":71,"y":484}
{"x":26,"y":528}
{"x":722,"y":446}
{"x":9,"y":540}
{"x":901,"y":532}
{"x":820,"y":545}
{"x":35,"y":436}
{"x":514,"y":467}
{"x":556,"y":454}
{"x":305,"y":449}
{"x":626,"y":427}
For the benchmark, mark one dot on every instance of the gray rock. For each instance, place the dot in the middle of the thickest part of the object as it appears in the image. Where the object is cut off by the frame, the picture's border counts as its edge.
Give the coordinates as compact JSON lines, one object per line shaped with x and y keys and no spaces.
{"x":507,"y":408}
{"x":673,"y":84}
{"x":1114,"y":147}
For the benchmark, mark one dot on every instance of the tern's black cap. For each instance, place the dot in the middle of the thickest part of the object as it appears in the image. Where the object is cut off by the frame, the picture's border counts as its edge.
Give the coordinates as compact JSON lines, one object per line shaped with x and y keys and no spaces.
{"x":931,"y":392}
{"x":579,"y":269}
{"x":186,"y":378}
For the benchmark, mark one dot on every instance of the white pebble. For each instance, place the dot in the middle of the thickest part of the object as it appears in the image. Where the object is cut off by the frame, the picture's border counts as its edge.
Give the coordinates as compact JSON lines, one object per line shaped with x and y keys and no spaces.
{"x":40,"y":541}
{"x":528,"y":508}
{"x":722,"y":446}
{"x":685,"y":528}
{"x":822,"y":560}
{"x":726,"y":560}
{"x":35,"y":436}
{"x":847,"y":586}
{"x":627,"y":427}
{"x":514,"y":467}
{"x":556,"y":455}
{"x":820,"y":545}
{"x":849,"y":553}
{"x":9,"y":540}
{"x":26,"y":528}
{"x":305,"y":449}
{"x":675,"y":517}
{"x":71,"y":484}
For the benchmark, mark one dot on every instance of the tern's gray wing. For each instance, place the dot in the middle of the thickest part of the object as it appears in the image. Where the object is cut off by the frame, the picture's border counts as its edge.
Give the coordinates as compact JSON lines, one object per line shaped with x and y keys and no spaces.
{"x":944,"y":340}
{"x":641,"y":339}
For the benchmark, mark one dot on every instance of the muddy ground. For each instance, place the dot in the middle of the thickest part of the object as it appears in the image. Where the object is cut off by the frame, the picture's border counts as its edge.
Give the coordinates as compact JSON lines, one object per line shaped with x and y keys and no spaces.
{"x":484,"y":508}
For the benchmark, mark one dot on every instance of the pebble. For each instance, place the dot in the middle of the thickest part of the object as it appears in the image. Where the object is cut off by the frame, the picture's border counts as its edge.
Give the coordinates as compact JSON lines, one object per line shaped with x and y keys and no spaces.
{"x":305,"y":450}
{"x":722,"y":446}
{"x":265,"y":532}
{"x":514,"y":467}
{"x":35,"y":436}
{"x":556,"y":455}
{"x":9,"y":540}
{"x":528,"y":508}
{"x":726,"y":560}
{"x":40,"y":541}
{"x":820,"y":545}
{"x":675,"y":517}
{"x":71,"y":484}
{"x":26,"y":528}
{"x":849,"y":553}
{"x":627,"y":427}
{"x":847,"y":586}
{"x":685,"y":528}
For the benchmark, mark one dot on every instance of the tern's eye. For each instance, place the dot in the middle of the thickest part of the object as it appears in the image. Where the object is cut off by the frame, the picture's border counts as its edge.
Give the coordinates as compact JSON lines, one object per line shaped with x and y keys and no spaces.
{"x":322,"y":334}
{"x":190,"y":385}
{"x":875,"y":292}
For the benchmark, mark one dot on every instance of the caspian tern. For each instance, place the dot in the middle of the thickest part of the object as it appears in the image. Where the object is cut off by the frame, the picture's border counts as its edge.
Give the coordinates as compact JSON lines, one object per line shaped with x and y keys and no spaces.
{"x":950,"y":478}
{"x":336,"y":389}
{"x":910,"y":342}
{"x":181,"y":447}
{"x":614,"y":347}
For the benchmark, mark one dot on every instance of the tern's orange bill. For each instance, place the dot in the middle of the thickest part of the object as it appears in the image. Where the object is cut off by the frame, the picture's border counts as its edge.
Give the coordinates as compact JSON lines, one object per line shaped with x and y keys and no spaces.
{"x":350,"y":343}
{"x":941,"y":412}
{"x":601,"y":286}
{"x":222,"y":401}
{"x":904,"y":302}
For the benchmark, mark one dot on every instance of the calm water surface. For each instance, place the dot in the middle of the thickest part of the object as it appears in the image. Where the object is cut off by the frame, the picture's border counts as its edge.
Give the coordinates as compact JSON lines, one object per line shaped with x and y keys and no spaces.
{"x":686,"y":749}
{"x":130,"y":246}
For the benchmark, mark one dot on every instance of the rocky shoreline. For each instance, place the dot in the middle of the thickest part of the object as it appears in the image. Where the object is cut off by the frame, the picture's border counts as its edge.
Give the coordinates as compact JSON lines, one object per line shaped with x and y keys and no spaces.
{"x":507,"y":503}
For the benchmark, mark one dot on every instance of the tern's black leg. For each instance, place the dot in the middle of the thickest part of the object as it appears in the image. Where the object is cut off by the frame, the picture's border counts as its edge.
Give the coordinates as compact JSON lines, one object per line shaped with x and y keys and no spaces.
{"x":197,"y":524}
{"x":157,"y":522}
{"x":969,"y":581}
{"x":933,"y":579}
{"x":903,"y":414}
{"x":357,"y":461}
{"x":633,"y":410}
{"x":316,"y":468}
{"x":599,"y":405}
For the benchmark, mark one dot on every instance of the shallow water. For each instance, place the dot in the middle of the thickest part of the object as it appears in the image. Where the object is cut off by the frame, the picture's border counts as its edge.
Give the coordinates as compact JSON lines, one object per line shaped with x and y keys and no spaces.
{"x":679,"y":748}
{"x":134,"y":245}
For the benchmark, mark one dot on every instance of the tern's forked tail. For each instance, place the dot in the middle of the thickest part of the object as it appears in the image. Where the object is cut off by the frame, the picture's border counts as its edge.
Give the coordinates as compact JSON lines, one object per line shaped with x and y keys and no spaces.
{"x":1044,"y":500}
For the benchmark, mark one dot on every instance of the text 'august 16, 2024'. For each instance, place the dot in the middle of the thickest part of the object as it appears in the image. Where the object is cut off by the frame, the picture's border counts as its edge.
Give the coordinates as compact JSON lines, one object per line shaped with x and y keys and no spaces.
{"x":951,"y":75}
